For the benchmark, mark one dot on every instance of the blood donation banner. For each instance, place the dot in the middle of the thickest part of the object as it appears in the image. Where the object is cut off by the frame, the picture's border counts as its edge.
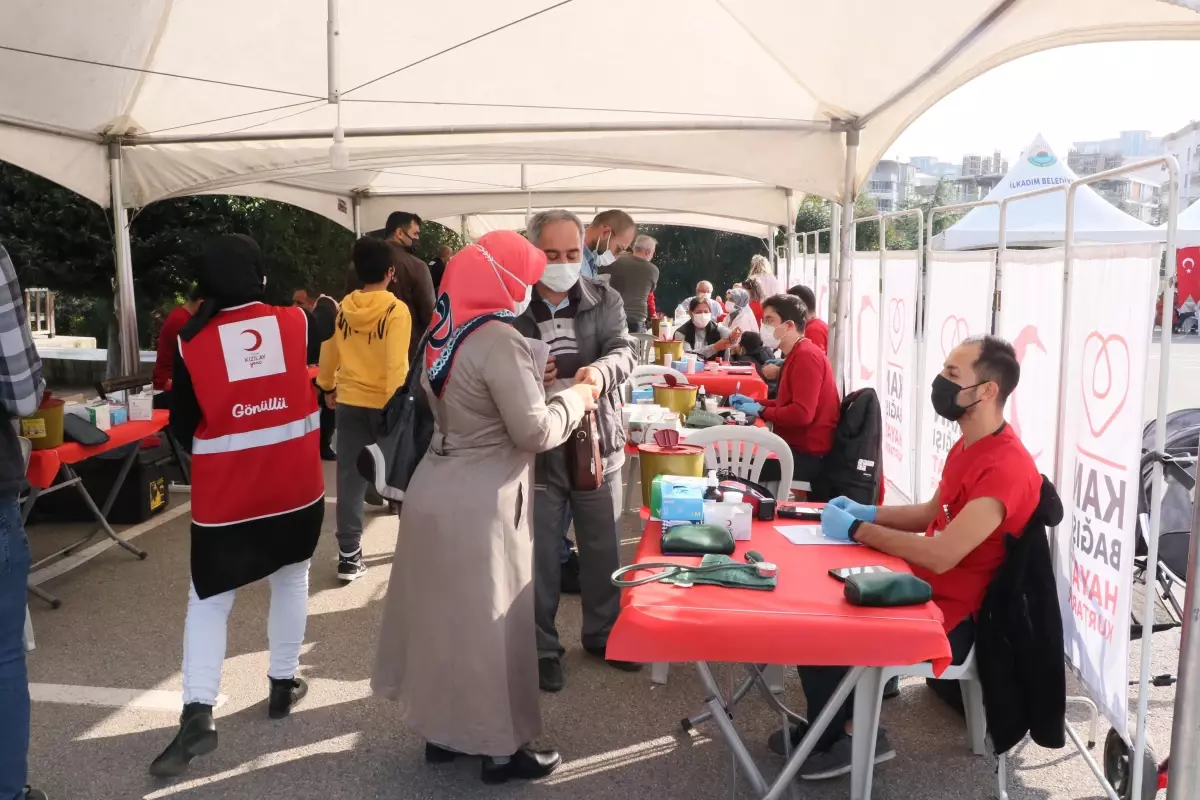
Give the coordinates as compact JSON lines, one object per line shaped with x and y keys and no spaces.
{"x":821,"y":289}
{"x":1108,"y":347}
{"x":898,"y":346}
{"x":864,"y":316}
{"x":958,"y":305}
{"x":1030,"y":318}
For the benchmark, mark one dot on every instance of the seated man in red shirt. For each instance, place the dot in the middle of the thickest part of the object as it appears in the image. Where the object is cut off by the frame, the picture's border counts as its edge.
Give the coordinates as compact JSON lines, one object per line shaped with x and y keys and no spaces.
{"x":990,"y":489}
{"x":806,"y":405}
{"x":817,"y":330}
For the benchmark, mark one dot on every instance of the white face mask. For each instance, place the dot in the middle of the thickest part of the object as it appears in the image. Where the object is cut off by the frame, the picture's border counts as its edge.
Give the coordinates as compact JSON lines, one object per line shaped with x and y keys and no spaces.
{"x":524,"y":304}
{"x":561,"y":277}
{"x":768,"y":336}
{"x":605,"y":258}
{"x":701,"y":320}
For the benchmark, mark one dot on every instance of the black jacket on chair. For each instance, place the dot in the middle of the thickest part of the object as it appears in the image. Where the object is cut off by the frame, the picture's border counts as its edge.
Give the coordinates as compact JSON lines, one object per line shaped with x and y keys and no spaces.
{"x":1019,"y":638}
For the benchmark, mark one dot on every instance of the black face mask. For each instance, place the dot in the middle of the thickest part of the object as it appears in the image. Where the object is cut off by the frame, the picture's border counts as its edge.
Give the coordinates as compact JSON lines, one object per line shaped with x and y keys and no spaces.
{"x":945,"y":398}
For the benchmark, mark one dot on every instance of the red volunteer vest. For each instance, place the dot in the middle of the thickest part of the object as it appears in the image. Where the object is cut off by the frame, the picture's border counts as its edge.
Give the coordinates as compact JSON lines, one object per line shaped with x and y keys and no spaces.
{"x":256,"y":452}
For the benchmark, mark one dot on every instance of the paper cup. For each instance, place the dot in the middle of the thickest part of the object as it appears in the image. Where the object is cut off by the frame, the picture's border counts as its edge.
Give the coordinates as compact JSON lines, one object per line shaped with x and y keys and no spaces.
{"x":731,"y":497}
{"x":710,"y":404}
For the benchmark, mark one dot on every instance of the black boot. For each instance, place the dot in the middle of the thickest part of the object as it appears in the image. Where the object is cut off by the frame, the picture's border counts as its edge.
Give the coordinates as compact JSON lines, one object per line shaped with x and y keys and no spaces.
{"x":525,"y":764}
{"x":197,"y":736}
{"x":439,"y":755}
{"x":285,"y":693}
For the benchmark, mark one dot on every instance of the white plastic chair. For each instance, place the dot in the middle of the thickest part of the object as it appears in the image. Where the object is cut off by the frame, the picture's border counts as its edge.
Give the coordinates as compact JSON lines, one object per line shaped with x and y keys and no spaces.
{"x":650,"y":374}
{"x":645,"y":347}
{"x":972,"y":693}
{"x":743,"y":450}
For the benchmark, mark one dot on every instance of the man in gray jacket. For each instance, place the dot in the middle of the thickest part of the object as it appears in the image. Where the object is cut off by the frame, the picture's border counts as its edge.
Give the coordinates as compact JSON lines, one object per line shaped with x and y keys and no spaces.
{"x":583,"y":323}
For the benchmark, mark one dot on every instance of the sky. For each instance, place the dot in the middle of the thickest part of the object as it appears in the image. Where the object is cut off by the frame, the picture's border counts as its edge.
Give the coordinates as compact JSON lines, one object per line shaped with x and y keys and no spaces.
{"x":1069,"y":94}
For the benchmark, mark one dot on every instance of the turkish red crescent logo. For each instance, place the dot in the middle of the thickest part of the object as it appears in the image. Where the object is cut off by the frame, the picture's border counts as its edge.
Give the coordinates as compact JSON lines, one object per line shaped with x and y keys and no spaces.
{"x":257,"y":340}
{"x":954,"y":331}
{"x":896,"y":323}
{"x":1027,"y":338}
{"x":1188,"y":263}
{"x":1104,"y":379}
{"x":867,"y":304}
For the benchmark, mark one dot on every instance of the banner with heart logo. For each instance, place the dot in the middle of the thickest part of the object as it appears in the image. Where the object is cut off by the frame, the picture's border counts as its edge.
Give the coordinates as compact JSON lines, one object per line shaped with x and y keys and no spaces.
{"x":821,"y":289}
{"x":1107,"y":350}
{"x":898,"y":346}
{"x":958,"y":305}
{"x":864,"y":332}
{"x":1031,"y":319}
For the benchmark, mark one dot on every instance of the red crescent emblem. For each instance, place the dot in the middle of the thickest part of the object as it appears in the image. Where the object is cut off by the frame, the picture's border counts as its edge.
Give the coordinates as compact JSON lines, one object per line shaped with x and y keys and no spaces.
{"x":257,"y":340}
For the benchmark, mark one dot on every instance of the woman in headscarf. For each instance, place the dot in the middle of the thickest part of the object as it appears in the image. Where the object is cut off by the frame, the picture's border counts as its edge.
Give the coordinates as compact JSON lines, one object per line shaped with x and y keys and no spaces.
{"x":243,"y":405}
{"x":740,"y":315}
{"x":702,"y":336}
{"x":457,"y":648}
{"x":761,"y":271}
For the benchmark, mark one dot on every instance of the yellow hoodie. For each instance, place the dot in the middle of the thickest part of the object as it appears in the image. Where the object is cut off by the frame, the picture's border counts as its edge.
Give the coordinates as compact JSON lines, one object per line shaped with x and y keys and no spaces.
{"x":366,"y":359}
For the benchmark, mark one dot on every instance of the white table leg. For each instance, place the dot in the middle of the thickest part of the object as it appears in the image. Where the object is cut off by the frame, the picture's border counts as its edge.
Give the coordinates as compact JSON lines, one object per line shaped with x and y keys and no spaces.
{"x":867,"y":698}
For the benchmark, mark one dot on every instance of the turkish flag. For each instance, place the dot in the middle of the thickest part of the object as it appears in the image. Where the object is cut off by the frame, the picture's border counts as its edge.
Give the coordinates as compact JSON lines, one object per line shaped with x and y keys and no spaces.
{"x":1187,"y":274}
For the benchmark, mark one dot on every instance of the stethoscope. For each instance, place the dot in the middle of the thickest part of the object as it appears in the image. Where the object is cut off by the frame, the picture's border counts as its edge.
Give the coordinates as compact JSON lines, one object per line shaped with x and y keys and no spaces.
{"x":754,"y":559}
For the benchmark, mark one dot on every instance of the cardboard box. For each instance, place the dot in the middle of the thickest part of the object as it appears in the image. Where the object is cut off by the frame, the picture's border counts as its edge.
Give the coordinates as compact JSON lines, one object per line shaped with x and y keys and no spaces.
{"x":141,"y":408}
{"x":99,"y":416}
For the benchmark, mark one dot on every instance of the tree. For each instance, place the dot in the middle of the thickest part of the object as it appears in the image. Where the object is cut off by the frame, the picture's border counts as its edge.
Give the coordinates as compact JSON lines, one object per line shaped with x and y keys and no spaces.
{"x":685,"y":256}
{"x":904,"y":233}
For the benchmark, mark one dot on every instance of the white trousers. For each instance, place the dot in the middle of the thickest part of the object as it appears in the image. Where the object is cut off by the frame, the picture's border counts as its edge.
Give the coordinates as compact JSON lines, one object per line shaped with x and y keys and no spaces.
{"x":204,"y":633}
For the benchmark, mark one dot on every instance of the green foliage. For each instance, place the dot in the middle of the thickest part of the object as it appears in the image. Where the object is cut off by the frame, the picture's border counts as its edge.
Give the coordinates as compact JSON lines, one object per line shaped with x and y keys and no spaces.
{"x":904,"y":233}
{"x":686,"y":256}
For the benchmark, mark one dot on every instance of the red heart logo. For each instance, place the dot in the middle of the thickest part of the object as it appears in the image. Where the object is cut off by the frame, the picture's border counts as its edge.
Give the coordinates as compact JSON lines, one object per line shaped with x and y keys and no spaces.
{"x":954,"y":331}
{"x":867,"y":306}
{"x":896,"y":323}
{"x":1104,"y":379}
{"x":1027,"y":338}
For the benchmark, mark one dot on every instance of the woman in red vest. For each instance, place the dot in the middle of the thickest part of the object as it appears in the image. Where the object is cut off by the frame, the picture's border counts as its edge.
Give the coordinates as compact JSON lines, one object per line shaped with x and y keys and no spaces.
{"x":243,"y":405}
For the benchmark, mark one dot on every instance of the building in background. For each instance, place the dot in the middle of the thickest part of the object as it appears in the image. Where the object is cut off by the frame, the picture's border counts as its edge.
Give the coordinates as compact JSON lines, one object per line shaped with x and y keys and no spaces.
{"x":1138,"y":193}
{"x":978,"y":176}
{"x":930,"y":165}
{"x":891,"y":184}
{"x":1184,"y":144}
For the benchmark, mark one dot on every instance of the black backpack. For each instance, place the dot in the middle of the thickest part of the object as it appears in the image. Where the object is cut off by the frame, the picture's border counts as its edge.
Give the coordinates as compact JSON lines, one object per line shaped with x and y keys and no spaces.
{"x":407,"y":430}
{"x":854,"y":466}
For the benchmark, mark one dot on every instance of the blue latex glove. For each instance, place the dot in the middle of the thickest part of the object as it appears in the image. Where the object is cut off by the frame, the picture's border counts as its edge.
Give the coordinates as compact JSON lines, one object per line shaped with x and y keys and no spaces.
{"x":750,"y":408}
{"x":835,"y":523}
{"x":736,"y":400}
{"x":856,"y":510}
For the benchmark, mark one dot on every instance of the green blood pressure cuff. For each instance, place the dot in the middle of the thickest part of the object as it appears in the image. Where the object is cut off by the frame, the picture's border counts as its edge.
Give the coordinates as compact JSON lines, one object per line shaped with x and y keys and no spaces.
{"x":696,"y":540}
{"x":737,"y":575}
{"x":887,"y":589}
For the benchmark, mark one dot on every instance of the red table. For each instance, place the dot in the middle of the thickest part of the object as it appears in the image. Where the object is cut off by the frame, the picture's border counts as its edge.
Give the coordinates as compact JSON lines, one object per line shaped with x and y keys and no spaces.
{"x":727,"y":382}
{"x":45,"y":466}
{"x":805,"y":620}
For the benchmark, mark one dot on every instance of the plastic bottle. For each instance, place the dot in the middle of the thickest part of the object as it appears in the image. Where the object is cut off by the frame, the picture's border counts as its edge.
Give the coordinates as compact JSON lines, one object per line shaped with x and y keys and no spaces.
{"x":713,"y":492}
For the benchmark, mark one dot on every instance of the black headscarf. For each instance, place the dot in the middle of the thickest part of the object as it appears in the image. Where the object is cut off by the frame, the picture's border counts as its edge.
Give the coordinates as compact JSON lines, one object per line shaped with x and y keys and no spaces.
{"x":230,"y":274}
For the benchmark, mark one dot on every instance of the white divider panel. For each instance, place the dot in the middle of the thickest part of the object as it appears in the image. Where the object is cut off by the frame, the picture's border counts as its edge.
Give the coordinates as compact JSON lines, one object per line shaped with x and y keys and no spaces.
{"x":958,"y":305}
{"x":1108,"y":346}
{"x":821,"y":286}
{"x":864,"y":311}
{"x":1031,"y":287}
{"x":898,"y":344}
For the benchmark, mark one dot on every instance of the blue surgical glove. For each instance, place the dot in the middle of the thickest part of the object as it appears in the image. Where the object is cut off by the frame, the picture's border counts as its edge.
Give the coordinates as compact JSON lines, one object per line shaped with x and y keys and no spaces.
{"x":856,"y":510}
{"x":750,"y":408}
{"x":736,"y":400}
{"x":835,"y":523}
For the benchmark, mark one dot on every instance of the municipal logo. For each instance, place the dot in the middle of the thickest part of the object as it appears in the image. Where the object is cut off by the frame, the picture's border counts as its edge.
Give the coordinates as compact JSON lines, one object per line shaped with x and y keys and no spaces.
{"x":1042,"y":158}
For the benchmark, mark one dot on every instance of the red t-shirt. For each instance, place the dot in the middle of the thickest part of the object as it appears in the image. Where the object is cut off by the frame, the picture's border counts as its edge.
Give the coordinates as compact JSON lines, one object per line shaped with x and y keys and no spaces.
{"x":997,"y":466}
{"x":817,"y":332}
{"x":756,"y":310}
{"x":168,"y":346}
{"x":806,"y":405}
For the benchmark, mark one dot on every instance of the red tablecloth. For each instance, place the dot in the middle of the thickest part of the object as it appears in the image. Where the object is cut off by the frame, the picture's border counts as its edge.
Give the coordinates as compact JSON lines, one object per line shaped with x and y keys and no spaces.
{"x":44,"y":464}
{"x":725,"y":383}
{"x":805,"y":620}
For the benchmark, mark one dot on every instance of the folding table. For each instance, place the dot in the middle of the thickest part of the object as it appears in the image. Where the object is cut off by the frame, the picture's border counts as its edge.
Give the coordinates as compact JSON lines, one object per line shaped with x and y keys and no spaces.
{"x":51,"y":470}
{"x":725,"y":382}
{"x":805,"y":620}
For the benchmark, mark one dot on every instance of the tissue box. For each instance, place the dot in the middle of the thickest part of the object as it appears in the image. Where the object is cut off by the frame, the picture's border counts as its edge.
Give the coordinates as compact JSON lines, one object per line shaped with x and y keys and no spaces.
{"x":737,"y":518}
{"x":118,"y":414}
{"x":141,"y":408}
{"x":678,"y":498}
{"x":642,"y":394}
{"x":100,"y":417}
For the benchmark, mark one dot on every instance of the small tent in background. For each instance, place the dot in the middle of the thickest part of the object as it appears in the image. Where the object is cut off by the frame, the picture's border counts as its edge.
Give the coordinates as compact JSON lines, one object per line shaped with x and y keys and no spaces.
{"x":1041,"y":220}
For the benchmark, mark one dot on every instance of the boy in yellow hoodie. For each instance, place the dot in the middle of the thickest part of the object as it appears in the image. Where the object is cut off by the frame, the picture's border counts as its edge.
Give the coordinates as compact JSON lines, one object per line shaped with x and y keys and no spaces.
{"x":362,"y":365}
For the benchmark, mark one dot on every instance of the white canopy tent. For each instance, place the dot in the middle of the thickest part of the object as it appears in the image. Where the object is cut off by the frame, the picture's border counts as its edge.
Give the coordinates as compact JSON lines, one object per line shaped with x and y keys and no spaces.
{"x":145,"y":99}
{"x":1188,"y":232}
{"x":1042,"y":220}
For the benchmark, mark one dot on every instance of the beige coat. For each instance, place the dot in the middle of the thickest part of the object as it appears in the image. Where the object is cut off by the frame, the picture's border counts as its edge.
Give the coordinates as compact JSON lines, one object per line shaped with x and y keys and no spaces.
{"x":457,"y":648}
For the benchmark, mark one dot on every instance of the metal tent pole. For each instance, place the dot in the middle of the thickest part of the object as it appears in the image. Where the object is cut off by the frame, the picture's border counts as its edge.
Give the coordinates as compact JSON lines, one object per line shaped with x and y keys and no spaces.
{"x":842,"y":295}
{"x":791,"y":238}
{"x":1183,"y":782}
{"x":126,"y":307}
{"x":356,"y":213}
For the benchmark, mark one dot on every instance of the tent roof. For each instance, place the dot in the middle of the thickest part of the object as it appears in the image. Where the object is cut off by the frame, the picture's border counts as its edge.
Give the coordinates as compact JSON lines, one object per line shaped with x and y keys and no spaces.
{"x":758,"y":90}
{"x":1042,"y":219}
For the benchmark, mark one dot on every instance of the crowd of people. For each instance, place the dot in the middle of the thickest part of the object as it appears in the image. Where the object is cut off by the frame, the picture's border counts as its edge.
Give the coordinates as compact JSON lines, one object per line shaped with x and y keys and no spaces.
{"x":516,"y":339}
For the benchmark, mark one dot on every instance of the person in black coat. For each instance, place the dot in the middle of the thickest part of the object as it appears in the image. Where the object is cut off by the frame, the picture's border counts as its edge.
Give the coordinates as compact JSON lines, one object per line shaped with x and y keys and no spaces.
{"x":321,"y":311}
